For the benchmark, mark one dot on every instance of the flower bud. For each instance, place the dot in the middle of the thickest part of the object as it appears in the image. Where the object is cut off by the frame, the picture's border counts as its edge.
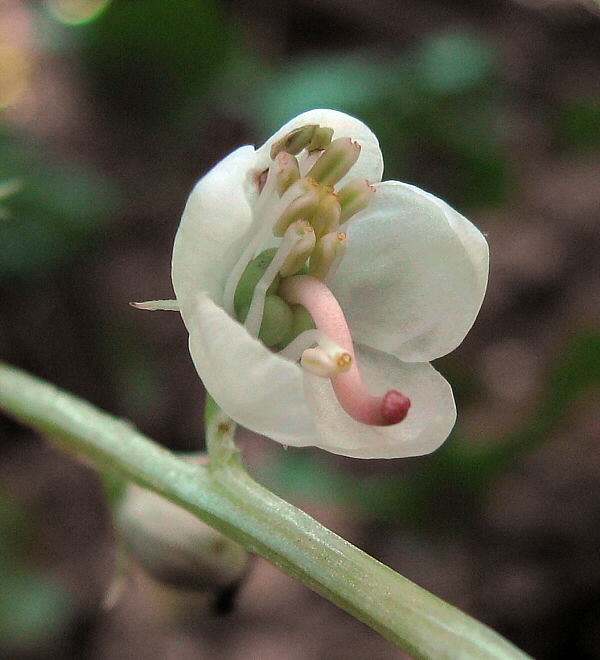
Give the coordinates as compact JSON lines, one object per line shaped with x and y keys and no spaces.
{"x":335,"y":162}
{"x":176,"y":548}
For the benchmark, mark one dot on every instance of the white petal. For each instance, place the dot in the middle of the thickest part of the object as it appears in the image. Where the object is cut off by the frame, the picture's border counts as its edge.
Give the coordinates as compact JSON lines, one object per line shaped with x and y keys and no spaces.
{"x":215,"y":220}
{"x":255,"y":387}
{"x":414,"y":274}
{"x":428,"y":423}
{"x":370,"y":162}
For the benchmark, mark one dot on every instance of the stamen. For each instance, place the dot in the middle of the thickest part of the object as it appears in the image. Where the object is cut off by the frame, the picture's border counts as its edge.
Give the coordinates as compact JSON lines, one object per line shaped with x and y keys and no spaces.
{"x":335,"y":162}
{"x":294,"y":236}
{"x":289,"y":171}
{"x":301,"y":250}
{"x":354,"y":197}
{"x":327,"y":255}
{"x":295,"y":140}
{"x":321,"y":138}
{"x":318,"y":362}
{"x":392,"y":407}
{"x":326,"y":217}
{"x":266,"y":209}
{"x":302,"y":207}
{"x":308,"y":339}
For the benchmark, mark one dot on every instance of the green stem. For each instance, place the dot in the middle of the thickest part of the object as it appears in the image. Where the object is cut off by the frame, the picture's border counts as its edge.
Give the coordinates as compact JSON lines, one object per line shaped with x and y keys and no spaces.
{"x":226,"y":498}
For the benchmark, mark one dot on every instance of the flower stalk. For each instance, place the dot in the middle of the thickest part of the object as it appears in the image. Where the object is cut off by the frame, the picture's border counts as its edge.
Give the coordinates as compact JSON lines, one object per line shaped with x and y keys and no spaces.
{"x":227,"y":498}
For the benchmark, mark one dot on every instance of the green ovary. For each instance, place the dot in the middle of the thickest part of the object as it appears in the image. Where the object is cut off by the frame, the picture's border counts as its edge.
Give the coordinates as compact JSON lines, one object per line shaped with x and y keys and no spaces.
{"x":281,"y":323}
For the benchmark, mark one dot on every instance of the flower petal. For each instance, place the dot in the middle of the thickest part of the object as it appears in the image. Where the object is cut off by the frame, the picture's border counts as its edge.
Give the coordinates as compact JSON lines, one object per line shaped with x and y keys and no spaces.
{"x":255,"y":387}
{"x":428,"y":423}
{"x":370,"y":162}
{"x":216,"y":218}
{"x":414,"y":274}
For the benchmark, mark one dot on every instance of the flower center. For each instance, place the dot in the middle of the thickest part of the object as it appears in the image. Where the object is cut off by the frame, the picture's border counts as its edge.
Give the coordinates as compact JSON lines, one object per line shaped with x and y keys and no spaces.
{"x":280,"y":294}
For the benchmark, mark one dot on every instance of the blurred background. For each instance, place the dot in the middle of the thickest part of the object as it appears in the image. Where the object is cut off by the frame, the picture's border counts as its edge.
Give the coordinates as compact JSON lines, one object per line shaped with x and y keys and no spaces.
{"x":110,"y":111}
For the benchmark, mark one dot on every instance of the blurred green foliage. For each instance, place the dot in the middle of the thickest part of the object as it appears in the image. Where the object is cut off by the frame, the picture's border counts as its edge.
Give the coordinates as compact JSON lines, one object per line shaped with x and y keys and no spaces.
{"x":146,"y":59}
{"x":435,"y":103}
{"x":578,"y":125}
{"x":51,"y":211}
{"x":33,"y":607}
{"x":437,"y":109}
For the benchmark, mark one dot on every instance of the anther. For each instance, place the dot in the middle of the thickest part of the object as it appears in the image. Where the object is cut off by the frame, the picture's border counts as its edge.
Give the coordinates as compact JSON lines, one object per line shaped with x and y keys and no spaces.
{"x":354,"y":197}
{"x":335,"y":162}
{"x":301,"y":249}
{"x":302,"y":207}
{"x":294,"y":141}
{"x":336,"y":357}
{"x":327,"y":255}
{"x":289,"y":172}
{"x":326,"y":217}
{"x":294,"y":236}
{"x":320,"y":363}
{"x":321,"y":139}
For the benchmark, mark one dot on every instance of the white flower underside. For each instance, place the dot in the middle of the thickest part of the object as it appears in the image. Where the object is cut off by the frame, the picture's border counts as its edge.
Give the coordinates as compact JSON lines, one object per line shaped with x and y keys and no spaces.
{"x":410,"y":284}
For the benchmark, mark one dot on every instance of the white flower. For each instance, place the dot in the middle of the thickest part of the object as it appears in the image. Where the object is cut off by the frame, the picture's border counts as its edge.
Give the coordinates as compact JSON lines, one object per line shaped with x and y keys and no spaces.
{"x":408,"y":272}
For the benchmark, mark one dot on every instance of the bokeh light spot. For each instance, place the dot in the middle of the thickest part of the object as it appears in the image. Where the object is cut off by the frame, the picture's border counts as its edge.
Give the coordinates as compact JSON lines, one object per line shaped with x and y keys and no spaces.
{"x":76,"y":12}
{"x":15,"y":68}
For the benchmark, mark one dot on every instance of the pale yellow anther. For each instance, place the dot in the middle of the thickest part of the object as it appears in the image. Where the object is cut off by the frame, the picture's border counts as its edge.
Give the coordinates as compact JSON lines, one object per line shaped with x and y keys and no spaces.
{"x":354,"y":197}
{"x":344,"y":361}
{"x":288,"y":173}
{"x":326,"y":217}
{"x":302,"y":207}
{"x":321,"y":363}
{"x":302,"y":238}
{"x":327,"y":255}
{"x":335,"y":162}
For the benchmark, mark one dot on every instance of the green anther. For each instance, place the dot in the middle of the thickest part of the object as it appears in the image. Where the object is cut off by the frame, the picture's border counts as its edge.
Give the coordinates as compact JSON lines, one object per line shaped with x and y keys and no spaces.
{"x":354,"y":197}
{"x":301,"y":208}
{"x":295,"y":141}
{"x":277,"y":321}
{"x":249,"y":279}
{"x":321,"y":138}
{"x":335,"y":162}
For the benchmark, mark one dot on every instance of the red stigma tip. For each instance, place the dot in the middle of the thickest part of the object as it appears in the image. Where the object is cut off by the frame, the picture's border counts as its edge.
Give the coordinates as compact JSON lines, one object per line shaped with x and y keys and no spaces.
{"x":394,"y":407}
